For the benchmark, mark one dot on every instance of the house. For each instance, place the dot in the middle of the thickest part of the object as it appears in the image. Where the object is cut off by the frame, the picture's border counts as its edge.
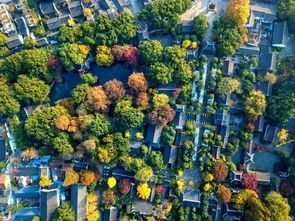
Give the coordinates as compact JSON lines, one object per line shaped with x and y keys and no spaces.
{"x":28,"y":192}
{"x":41,"y":42}
{"x":267,"y":60}
{"x":265,"y":87}
{"x":27,"y":214}
{"x":248,"y":50}
{"x":25,"y":171}
{"x":154,"y":134}
{"x":56,"y":22}
{"x":22,"y":27}
{"x":262,"y":177}
{"x":259,"y":124}
{"x":121,"y":5}
{"x":167,"y":89}
{"x":169,"y":155}
{"x":208,"y":48}
{"x":14,"y":41}
{"x":106,"y":4}
{"x":2,"y":150}
{"x":76,"y":8}
{"x":111,"y":214}
{"x":4,"y":185}
{"x":6,"y":24}
{"x":260,"y":17}
{"x":231,"y":214}
{"x":187,"y":27}
{"x":142,"y":207}
{"x":47,"y":8}
{"x":224,"y":100}
{"x":179,"y":138}
{"x":49,"y":202}
{"x":270,"y":133}
{"x":221,"y":117}
{"x":191,"y":198}
{"x":180,"y":116}
{"x":79,"y":201}
{"x":280,"y":34}
{"x":228,"y":67}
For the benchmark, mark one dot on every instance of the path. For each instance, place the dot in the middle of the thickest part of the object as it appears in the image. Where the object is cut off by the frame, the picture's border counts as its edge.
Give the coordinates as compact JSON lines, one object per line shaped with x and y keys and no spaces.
{"x":10,"y":139}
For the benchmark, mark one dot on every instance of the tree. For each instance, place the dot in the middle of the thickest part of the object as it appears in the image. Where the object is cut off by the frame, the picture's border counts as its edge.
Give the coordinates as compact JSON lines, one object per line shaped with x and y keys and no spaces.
{"x":3,"y":48}
{"x":131,"y":57}
{"x":270,"y":77}
{"x":156,"y":159}
{"x":151,"y":51}
{"x":143,"y":191}
{"x":168,"y":135}
{"x":71,"y":55}
{"x":89,"y":78}
{"x":30,"y":153}
{"x":238,"y":11}
{"x":69,"y":34}
{"x":87,"y":12}
{"x":117,"y":143}
{"x":31,"y":90}
{"x":86,"y":177}
{"x":124,"y":186}
{"x":64,"y":213}
{"x":142,"y":100}
{"x":160,"y":73}
{"x":183,"y":72}
{"x":249,"y":181}
{"x":283,"y":134}
{"x":30,"y":43}
{"x":137,"y":83}
{"x":201,"y":25}
{"x":114,"y":89}
{"x":100,"y":125}
{"x":97,"y":98}
{"x":164,"y":19}
{"x":242,"y":197}
{"x":53,"y":63}
{"x":44,"y":181}
{"x":255,"y":209}
{"x":162,"y":115}
{"x":144,"y":174}
{"x":220,"y":170}
{"x":104,"y":56}
{"x":8,"y":104}
{"x":160,"y":100}
{"x":79,"y":93}
{"x":127,"y":116}
{"x":109,"y":197}
{"x":72,"y":177}
{"x":255,"y":103}
{"x":112,"y":182}
{"x":92,"y":207}
{"x":61,"y":143}
{"x":278,"y":206}
{"x":286,"y":11}
{"x":125,"y":26}
{"x":175,"y":54}
{"x":40,"y":31}
{"x":227,"y":86}
{"x":228,"y":36}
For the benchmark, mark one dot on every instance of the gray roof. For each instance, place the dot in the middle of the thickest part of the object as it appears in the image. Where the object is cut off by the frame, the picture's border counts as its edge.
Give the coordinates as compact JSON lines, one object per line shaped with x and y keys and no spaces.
{"x":110,"y":214}
{"x":76,"y":8}
{"x":270,"y":133}
{"x":248,"y":50}
{"x":143,"y":207}
{"x":79,"y":201}
{"x":47,"y":7}
{"x":22,"y":26}
{"x":57,"y":2}
{"x":42,"y":42}
{"x":26,"y":214}
{"x":105,"y":4}
{"x":180,"y":116}
{"x":228,"y":67}
{"x":154,"y":133}
{"x":120,"y":4}
{"x":170,"y":153}
{"x":25,"y":171}
{"x":49,"y":202}
{"x":14,"y":41}
{"x":221,"y":117}
{"x":267,"y":60}
{"x":28,"y":192}
{"x":265,"y":87}
{"x":280,"y":33}
{"x":259,"y":123}
{"x":2,"y":150}
{"x":56,"y":22}
{"x":265,"y":17}
{"x":191,"y":198}
{"x":291,"y":125}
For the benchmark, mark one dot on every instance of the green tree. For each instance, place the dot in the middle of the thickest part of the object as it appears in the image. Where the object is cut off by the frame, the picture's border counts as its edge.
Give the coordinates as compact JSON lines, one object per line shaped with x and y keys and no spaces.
{"x":69,"y":34}
{"x":100,"y":125}
{"x":89,"y":78}
{"x":40,"y":31}
{"x":71,"y":55}
{"x":80,"y":92}
{"x":156,"y":159}
{"x":255,"y":103}
{"x":61,"y":143}
{"x":228,"y":85}
{"x":201,"y":25}
{"x":31,"y":90}
{"x":151,"y":51}
{"x":175,"y":54}
{"x":160,"y":73}
{"x":183,"y":72}
{"x":64,"y":213}
{"x":30,"y":43}
{"x":286,"y":11}
{"x":127,"y":116}
{"x":168,"y":135}
{"x":3,"y":48}
{"x":144,"y":174}
{"x":8,"y":104}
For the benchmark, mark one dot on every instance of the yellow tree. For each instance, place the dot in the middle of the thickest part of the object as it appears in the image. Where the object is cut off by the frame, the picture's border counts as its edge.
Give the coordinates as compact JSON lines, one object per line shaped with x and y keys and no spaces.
{"x":283,"y":134}
{"x":92,"y":207}
{"x":255,"y":103}
{"x":112,"y":182}
{"x":143,"y":191}
{"x":239,"y":11}
{"x":30,"y":152}
{"x":160,"y":100}
{"x":87,"y":12}
{"x":71,"y":177}
{"x":44,"y":181}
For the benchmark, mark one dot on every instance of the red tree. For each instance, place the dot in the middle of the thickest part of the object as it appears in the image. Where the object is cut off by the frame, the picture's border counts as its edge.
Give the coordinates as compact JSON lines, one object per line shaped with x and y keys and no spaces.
{"x":159,"y":189}
{"x":118,"y":52}
{"x":53,"y":62}
{"x":249,"y":181}
{"x":131,"y":57}
{"x":114,"y":89}
{"x":124,"y":186}
{"x":162,"y":115}
{"x":142,"y":100}
{"x":286,"y":189}
{"x":137,"y":83}
{"x":176,"y":93}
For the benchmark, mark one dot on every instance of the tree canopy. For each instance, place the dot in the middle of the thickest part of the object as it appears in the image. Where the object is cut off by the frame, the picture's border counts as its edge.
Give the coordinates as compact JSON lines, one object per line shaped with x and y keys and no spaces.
{"x":151,"y":51}
{"x":201,"y":25}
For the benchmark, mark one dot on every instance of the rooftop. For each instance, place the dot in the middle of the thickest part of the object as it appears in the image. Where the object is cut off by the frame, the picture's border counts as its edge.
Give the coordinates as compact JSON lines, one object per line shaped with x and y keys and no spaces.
{"x":280,"y":34}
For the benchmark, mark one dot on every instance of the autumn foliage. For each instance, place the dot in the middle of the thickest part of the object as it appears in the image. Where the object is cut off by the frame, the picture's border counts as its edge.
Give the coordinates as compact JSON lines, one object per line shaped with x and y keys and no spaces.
{"x":124,"y":186}
{"x":131,"y":57}
{"x":44,"y":181}
{"x":220,"y":170}
{"x":109,"y":196}
{"x":53,"y":62}
{"x":30,"y":152}
{"x":224,"y":193}
{"x":114,"y":89}
{"x":137,"y":83}
{"x":162,"y":115}
{"x":86,"y":177}
{"x":92,"y":207}
{"x":142,"y":100}
{"x":72,"y":177}
{"x":239,"y":11}
{"x":67,"y":123}
{"x":97,"y":98}
{"x":249,"y":181}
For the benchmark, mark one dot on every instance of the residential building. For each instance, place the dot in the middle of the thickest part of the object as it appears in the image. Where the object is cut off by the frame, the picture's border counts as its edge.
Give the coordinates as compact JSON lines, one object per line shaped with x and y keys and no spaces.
{"x":169,"y":155}
{"x":270,"y":133}
{"x":2,"y":149}
{"x":228,"y":67}
{"x":56,"y":22}
{"x":27,"y":214}
{"x":22,"y":27}
{"x":49,"y":202}
{"x":248,"y":50}
{"x":259,"y":124}
{"x":191,"y":198}
{"x":180,"y":116}
{"x":14,"y":41}
{"x":76,"y":8}
{"x":110,"y":214}
{"x":48,"y":8}
{"x":280,"y":34}
{"x":154,"y":134}
{"x":6,"y":24}
{"x":79,"y":201}
{"x":267,"y":60}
